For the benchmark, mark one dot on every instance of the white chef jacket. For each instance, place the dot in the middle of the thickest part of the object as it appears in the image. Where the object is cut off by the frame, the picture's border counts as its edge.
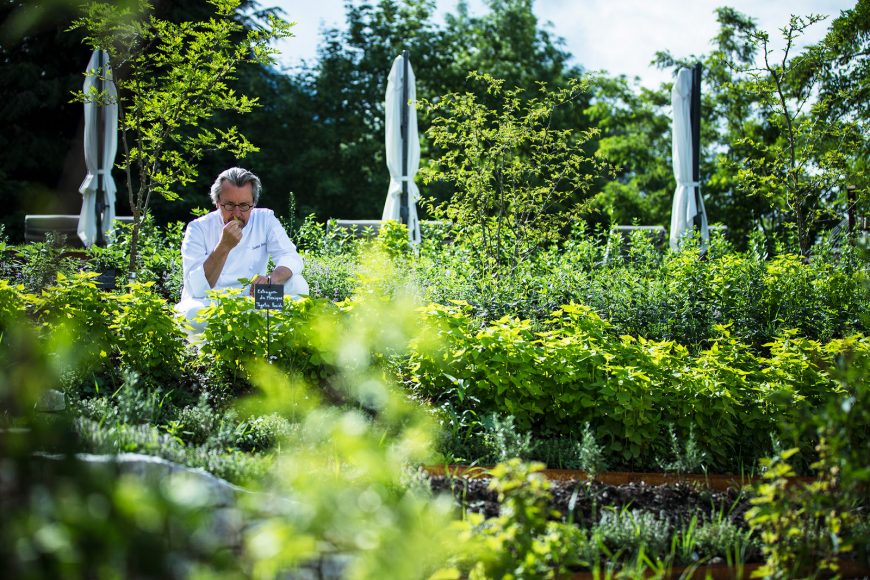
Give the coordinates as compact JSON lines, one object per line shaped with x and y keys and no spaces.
{"x":262,"y":237}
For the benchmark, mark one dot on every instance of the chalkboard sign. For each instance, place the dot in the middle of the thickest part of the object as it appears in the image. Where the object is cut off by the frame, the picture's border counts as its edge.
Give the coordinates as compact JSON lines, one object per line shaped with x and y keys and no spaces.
{"x":269,"y":296}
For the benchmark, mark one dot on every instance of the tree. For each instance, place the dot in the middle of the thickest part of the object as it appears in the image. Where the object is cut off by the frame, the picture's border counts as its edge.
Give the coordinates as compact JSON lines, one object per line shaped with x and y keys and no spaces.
{"x":171,"y":79}
{"x":802,"y":171}
{"x":518,"y":180}
{"x":344,"y":165}
{"x":845,"y":90}
{"x":506,"y":42}
{"x":635,"y":139}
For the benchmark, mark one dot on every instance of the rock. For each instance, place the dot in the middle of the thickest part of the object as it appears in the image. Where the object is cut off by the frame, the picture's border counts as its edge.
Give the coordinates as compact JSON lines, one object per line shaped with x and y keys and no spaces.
{"x":51,"y":401}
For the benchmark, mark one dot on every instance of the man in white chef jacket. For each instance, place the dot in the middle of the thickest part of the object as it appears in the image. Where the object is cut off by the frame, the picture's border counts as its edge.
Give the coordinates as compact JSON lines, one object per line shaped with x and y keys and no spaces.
{"x":235,"y":241}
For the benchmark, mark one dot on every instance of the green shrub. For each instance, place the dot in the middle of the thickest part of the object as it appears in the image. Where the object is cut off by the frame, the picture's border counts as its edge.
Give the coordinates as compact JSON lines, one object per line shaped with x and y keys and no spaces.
{"x":197,"y":422}
{"x":522,"y":542}
{"x":725,"y":400}
{"x":12,"y":305}
{"x":805,"y":528}
{"x":75,"y":305}
{"x":150,"y":340}
{"x":138,"y":405}
{"x":723,"y":539}
{"x":159,"y":256}
{"x":393,"y":238}
{"x":261,"y":433}
{"x":42,"y":262}
{"x":629,"y":532}
{"x":332,"y":277}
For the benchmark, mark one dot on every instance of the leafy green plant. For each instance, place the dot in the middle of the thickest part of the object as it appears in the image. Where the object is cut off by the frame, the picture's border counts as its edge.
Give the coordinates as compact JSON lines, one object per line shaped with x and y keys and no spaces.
{"x":42,"y":262}
{"x":807,"y":136}
{"x":808,"y":527}
{"x":590,"y":455}
{"x":76,"y":305}
{"x":12,"y":303}
{"x":501,"y":437}
{"x":686,"y":457}
{"x":722,"y":538}
{"x":573,"y":370}
{"x":632,"y":531}
{"x":393,"y":237}
{"x":197,"y":422}
{"x":150,"y":340}
{"x":516,"y":178}
{"x":522,"y":542}
{"x":138,"y":405}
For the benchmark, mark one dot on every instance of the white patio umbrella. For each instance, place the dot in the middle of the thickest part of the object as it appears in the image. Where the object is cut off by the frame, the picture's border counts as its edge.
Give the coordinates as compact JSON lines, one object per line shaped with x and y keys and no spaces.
{"x":101,"y":145}
{"x":688,"y":206}
{"x":403,"y":147}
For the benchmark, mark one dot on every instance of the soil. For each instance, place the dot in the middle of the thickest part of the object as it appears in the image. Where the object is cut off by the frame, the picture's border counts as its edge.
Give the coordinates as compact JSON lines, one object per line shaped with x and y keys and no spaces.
{"x":676,"y":502}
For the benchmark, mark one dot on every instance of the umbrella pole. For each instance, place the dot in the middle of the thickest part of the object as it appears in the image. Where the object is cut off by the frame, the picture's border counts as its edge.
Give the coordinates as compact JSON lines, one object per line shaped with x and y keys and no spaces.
{"x":403,"y":208}
{"x":99,"y":202}
{"x":695,"y":117}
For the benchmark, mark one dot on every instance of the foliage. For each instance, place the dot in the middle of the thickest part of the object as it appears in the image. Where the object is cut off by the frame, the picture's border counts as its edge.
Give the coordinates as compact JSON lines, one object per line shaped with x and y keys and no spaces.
{"x":804,"y":166}
{"x":517,"y":178}
{"x":40,"y":263}
{"x":236,"y":334}
{"x":149,"y":339}
{"x":11,"y":304}
{"x":634,"y":139}
{"x":171,"y":79}
{"x":159,"y":258}
{"x":805,"y":528}
{"x":393,"y":238}
{"x":687,"y":457}
{"x":590,"y":454}
{"x":780,"y":141}
{"x":76,"y":305}
{"x":522,"y":542}
{"x":572,"y":369}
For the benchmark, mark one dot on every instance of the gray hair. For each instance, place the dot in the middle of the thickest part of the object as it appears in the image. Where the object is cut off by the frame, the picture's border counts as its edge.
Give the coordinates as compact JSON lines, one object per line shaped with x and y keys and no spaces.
{"x":238,"y":177}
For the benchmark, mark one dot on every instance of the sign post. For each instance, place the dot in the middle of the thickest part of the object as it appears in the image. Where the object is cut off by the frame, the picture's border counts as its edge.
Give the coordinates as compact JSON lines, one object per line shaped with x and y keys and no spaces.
{"x":268,"y":297}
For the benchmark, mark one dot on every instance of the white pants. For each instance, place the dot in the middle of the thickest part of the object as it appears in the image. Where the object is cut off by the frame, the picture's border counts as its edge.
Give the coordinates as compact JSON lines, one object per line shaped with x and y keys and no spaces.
{"x":295,"y":288}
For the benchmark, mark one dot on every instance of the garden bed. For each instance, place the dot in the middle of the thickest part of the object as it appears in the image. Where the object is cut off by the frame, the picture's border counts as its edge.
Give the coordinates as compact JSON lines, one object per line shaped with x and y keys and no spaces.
{"x":718,"y":482}
{"x":581,"y":501}
{"x":640,"y":503}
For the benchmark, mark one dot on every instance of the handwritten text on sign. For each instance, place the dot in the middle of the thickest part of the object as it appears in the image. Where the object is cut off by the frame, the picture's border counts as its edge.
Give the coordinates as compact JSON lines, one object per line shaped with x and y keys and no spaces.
{"x":269,"y":296}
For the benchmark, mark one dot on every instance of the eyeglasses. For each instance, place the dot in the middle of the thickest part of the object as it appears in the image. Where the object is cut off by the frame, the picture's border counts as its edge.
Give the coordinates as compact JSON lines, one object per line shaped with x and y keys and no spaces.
{"x":230,"y":206}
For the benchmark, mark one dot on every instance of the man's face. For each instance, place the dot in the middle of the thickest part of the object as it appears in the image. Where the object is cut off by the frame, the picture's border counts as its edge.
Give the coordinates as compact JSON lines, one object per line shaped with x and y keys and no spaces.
{"x":231,"y":197}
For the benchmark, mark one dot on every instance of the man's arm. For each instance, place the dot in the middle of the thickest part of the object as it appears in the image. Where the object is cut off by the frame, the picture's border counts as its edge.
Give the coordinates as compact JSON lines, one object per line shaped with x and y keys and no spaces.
{"x":214,"y":264}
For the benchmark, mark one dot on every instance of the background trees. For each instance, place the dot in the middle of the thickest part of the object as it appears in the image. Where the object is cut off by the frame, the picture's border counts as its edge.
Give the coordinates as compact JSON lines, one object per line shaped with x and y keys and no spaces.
{"x":319,"y":130}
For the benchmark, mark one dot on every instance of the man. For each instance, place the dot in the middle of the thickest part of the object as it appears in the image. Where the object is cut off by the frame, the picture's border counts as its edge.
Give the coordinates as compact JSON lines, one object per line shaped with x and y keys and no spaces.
{"x":235,"y":241}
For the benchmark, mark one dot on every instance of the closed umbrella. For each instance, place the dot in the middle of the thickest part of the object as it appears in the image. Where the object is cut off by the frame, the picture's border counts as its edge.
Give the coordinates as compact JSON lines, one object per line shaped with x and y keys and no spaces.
{"x":688,"y":205}
{"x":403,"y":147}
{"x":101,"y":145}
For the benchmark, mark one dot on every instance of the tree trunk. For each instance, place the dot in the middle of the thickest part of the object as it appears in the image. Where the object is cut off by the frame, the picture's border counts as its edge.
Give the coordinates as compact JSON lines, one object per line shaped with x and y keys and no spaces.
{"x":134,"y":245}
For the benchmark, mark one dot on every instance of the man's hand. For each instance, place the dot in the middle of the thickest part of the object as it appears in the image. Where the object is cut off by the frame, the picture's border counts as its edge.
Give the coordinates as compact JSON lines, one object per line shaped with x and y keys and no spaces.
{"x":259,"y":280}
{"x":278,"y":276}
{"x":231,"y":234}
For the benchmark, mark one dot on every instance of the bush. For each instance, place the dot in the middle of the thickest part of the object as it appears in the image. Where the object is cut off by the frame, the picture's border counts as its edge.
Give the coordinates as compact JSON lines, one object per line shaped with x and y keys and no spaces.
{"x":76,"y":306}
{"x":150,"y":340}
{"x":725,"y":400}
